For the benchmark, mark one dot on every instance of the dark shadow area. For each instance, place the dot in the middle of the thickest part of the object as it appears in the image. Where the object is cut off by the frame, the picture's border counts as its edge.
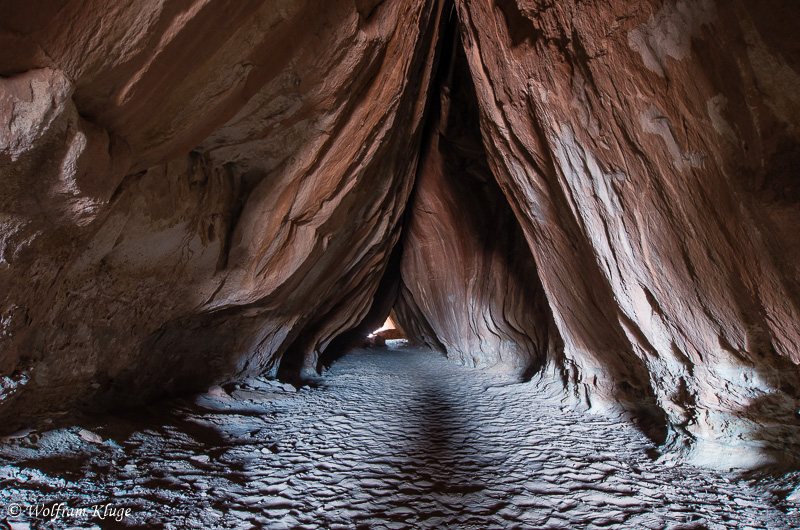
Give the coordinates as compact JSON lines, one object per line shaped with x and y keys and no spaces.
{"x":439,"y":446}
{"x":383,"y":301}
{"x":160,"y":438}
{"x":651,"y":420}
{"x":777,"y":438}
{"x":440,"y":470}
{"x":778,"y":441}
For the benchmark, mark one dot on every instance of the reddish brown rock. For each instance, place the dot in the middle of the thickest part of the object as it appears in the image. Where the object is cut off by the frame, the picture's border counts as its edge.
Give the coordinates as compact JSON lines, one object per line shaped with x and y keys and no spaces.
{"x":469,"y":282}
{"x":646,"y":148}
{"x":263,"y":193}
{"x":198,"y":189}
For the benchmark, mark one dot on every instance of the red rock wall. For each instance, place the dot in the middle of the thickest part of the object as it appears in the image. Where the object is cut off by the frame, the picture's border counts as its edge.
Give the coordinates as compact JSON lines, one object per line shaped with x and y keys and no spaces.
{"x":469,"y":282}
{"x":193,"y":186}
{"x":194,"y":189}
{"x":648,"y":150}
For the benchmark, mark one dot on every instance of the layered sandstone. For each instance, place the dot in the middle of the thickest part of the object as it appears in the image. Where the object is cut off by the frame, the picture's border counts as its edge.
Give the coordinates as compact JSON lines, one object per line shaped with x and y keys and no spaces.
{"x":648,"y":151}
{"x":469,"y":283}
{"x":193,"y":187}
{"x":197,"y":190}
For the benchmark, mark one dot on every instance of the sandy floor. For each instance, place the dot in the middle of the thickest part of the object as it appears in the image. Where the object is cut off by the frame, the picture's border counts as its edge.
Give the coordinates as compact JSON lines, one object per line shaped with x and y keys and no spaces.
{"x":394,"y":438}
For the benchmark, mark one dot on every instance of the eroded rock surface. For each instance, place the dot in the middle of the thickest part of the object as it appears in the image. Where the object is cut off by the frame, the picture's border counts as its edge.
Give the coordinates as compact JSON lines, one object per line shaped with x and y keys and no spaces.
{"x":645,"y":148}
{"x":469,"y":282}
{"x":189,"y":196}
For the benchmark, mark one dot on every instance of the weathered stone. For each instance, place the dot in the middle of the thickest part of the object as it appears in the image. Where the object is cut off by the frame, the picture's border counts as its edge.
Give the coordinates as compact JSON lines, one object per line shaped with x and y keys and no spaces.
{"x":470,"y":284}
{"x":645,"y":148}
{"x":195,"y":190}
{"x":89,"y":436}
{"x":263,"y":194}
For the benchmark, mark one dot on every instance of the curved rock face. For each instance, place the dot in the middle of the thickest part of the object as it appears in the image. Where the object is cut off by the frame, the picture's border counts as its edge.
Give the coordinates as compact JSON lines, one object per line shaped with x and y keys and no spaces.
{"x":646,"y":148}
{"x":469,"y":282}
{"x":193,"y":190}
{"x":273,"y":230}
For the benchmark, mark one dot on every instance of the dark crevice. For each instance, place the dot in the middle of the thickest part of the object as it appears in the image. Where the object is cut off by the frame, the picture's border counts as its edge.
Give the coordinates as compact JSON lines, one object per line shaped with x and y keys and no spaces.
{"x":293,"y":361}
{"x":383,"y":301}
{"x":387,"y":293}
{"x":520,"y":27}
{"x":470,"y":193}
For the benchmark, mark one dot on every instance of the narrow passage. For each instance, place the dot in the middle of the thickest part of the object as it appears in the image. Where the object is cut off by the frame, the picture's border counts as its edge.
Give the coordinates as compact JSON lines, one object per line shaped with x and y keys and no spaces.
{"x":392,"y":438}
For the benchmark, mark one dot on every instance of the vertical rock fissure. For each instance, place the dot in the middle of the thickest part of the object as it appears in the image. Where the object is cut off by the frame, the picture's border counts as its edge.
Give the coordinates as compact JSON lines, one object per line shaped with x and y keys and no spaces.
{"x":469,"y":283}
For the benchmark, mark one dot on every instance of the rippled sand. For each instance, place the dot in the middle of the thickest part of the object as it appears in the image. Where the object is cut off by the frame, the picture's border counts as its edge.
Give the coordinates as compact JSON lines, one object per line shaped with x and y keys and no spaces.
{"x":392,"y":438}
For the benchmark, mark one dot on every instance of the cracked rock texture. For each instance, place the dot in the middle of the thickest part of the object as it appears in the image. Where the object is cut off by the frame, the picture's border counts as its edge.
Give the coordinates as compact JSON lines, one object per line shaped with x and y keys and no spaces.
{"x":605,"y":191}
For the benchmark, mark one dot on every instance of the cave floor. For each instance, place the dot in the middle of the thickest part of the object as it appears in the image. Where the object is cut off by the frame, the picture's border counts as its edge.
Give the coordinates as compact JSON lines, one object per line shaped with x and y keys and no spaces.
{"x":391,"y":438}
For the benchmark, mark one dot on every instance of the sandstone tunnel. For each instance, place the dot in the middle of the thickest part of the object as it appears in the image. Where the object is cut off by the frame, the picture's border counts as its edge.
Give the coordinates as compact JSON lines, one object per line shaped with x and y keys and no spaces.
{"x":581,"y":217}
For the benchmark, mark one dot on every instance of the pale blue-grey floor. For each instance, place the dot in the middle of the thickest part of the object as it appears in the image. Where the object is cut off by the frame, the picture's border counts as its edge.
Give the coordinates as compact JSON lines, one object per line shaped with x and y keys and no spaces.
{"x":393,"y":438}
